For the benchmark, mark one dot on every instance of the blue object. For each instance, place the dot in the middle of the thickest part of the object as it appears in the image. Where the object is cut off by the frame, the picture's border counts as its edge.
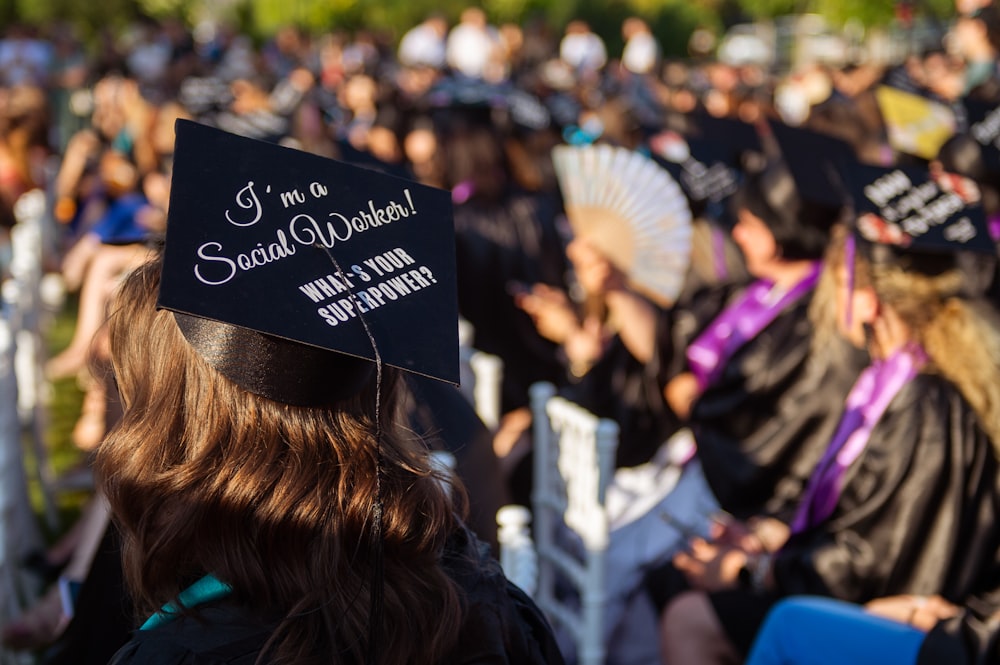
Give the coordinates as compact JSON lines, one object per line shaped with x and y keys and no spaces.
{"x":119,"y":225}
{"x":203,"y":591}
{"x":822,"y":631}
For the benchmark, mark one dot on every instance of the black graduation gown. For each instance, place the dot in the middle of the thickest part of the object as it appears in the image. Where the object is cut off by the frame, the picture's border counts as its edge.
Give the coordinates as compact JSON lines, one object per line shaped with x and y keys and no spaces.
{"x":919,"y":513}
{"x":497,"y":245}
{"x":967,"y":639}
{"x":502,"y":625}
{"x":629,"y":392}
{"x":621,"y":388}
{"x":763,"y":424}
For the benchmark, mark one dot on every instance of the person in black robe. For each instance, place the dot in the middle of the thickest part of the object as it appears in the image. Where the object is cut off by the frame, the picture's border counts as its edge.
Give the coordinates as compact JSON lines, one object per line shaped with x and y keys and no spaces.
{"x":491,"y":619}
{"x":759,"y":433}
{"x":905,"y":499}
{"x":506,"y":236}
{"x":760,"y":413}
{"x":502,"y":625}
{"x":265,"y":480}
{"x":896,"y":630}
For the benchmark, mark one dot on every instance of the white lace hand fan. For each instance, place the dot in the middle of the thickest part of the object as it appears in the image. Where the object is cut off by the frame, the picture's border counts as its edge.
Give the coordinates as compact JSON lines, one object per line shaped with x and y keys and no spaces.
{"x":632,"y":210}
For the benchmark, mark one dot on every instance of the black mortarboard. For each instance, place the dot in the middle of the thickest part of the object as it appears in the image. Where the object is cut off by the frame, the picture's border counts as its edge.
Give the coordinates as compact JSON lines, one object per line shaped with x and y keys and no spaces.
{"x":525,"y":110}
{"x":797,"y":190}
{"x":707,"y":172}
{"x":816,"y":161}
{"x":737,"y":138}
{"x":914,"y":210}
{"x":291,"y":273}
{"x":984,"y":127}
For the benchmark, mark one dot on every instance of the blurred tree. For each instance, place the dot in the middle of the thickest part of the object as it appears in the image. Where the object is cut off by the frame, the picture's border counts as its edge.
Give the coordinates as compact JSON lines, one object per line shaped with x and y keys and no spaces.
{"x":88,"y":16}
{"x":672,"y":20}
{"x":763,"y":9}
{"x":838,"y":12}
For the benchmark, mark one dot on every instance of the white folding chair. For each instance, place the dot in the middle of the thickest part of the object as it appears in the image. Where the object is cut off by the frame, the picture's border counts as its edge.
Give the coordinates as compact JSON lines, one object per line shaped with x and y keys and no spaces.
{"x":574,"y":454}
{"x":481,"y":375}
{"x":20,"y":407}
{"x":22,"y":306}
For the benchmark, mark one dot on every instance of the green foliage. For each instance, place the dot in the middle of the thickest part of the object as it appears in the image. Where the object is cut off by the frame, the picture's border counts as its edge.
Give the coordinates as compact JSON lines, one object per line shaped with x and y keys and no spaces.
{"x":63,"y":407}
{"x":759,"y":9}
{"x":89,"y":17}
{"x":837,"y":12}
{"x":174,"y":8}
{"x":672,"y":20}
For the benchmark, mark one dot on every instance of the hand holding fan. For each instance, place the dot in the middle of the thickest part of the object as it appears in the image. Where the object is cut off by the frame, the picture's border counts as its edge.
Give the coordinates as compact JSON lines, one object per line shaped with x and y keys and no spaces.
{"x":627,"y":206}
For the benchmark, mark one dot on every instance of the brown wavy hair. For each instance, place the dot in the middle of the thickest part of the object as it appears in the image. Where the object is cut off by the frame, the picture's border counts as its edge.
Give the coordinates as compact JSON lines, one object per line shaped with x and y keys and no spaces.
{"x":275,"y":500}
{"x":961,"y":335}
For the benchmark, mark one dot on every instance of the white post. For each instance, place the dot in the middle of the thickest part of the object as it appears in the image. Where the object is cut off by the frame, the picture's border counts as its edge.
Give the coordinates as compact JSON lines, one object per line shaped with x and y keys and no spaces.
{"x":544,"y":464}
{"x":517,"y":551}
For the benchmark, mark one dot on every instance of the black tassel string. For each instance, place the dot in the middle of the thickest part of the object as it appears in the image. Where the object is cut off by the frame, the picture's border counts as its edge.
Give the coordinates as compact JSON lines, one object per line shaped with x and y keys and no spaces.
{"x":377,"y":555}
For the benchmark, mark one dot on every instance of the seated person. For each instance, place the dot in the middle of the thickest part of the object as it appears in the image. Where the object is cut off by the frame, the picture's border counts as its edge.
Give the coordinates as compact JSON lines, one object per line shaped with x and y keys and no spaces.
{"x":904,"y":500}
{"x":898,"y":630}
{"x":271,"y":502}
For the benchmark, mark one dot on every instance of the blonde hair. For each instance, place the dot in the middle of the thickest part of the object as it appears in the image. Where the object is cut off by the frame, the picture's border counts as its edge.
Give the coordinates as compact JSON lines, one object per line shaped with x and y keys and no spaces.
{"x":823,"y":305}
{"x":926,"y":293}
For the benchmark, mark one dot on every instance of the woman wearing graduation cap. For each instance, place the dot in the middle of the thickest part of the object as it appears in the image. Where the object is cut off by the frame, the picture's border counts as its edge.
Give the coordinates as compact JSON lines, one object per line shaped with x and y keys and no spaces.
{"x":905,"y":499}
{"x":271,"y":506}
{"x":738,"y":362}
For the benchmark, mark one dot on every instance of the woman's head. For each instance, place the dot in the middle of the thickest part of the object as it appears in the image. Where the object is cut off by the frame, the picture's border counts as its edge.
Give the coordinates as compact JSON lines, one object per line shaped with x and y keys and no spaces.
{"x":276,"y":500}
{"x":885,"y":295}
{"x":874,"y":279}
{"x":963,"y":155}
{"x":799,"y":229}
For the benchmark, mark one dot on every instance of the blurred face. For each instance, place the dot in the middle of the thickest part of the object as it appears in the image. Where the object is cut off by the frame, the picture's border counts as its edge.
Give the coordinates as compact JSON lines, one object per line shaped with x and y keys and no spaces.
{"x":852,"y":331}
{"x":756,"y":242}
{"x":860,"y":305}
{"x":420,"y":146}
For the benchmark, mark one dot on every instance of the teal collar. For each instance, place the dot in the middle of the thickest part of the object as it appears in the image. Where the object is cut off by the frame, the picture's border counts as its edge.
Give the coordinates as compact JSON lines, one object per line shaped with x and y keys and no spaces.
{"x":203,"y":591}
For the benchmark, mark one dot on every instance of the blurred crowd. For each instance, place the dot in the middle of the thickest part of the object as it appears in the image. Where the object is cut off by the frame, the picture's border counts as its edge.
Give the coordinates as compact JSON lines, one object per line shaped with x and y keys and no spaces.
{"x":472,"y":108}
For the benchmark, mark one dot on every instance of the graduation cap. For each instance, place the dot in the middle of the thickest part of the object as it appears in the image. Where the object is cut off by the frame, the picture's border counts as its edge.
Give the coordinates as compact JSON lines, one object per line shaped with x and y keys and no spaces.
{"x":797,"y":189}
{"x":706,"y":171}
{"x":915,"y":125}
{"x":916,"y":211}
{"x":735,"y":137}
{"x":525,"y":109}
{"x":984,"y":126}
{"x":816,"y":161}
{"x":292,"y":274}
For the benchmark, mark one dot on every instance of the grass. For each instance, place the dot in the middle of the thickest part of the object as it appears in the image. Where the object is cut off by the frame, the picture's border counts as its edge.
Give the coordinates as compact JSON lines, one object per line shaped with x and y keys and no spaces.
{"x":64,"y":400}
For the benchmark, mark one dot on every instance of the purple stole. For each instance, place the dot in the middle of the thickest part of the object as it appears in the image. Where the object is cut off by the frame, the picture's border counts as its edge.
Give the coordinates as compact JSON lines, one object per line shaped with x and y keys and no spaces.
{"x":994,"y":227}
{"x":740,"y":322}
{"x":877,"y":385}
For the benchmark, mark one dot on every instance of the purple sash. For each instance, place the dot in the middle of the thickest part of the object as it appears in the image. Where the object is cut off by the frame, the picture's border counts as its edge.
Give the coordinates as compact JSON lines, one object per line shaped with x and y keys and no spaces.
{"x":877,"y":385}
{"x":994,"y":227}
{"x":741,"y":322}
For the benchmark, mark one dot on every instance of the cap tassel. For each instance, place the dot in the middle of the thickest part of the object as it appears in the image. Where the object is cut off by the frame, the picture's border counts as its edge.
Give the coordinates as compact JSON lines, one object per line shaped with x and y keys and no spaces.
{"x":850,"y":248}
{"x":377,"y":557}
